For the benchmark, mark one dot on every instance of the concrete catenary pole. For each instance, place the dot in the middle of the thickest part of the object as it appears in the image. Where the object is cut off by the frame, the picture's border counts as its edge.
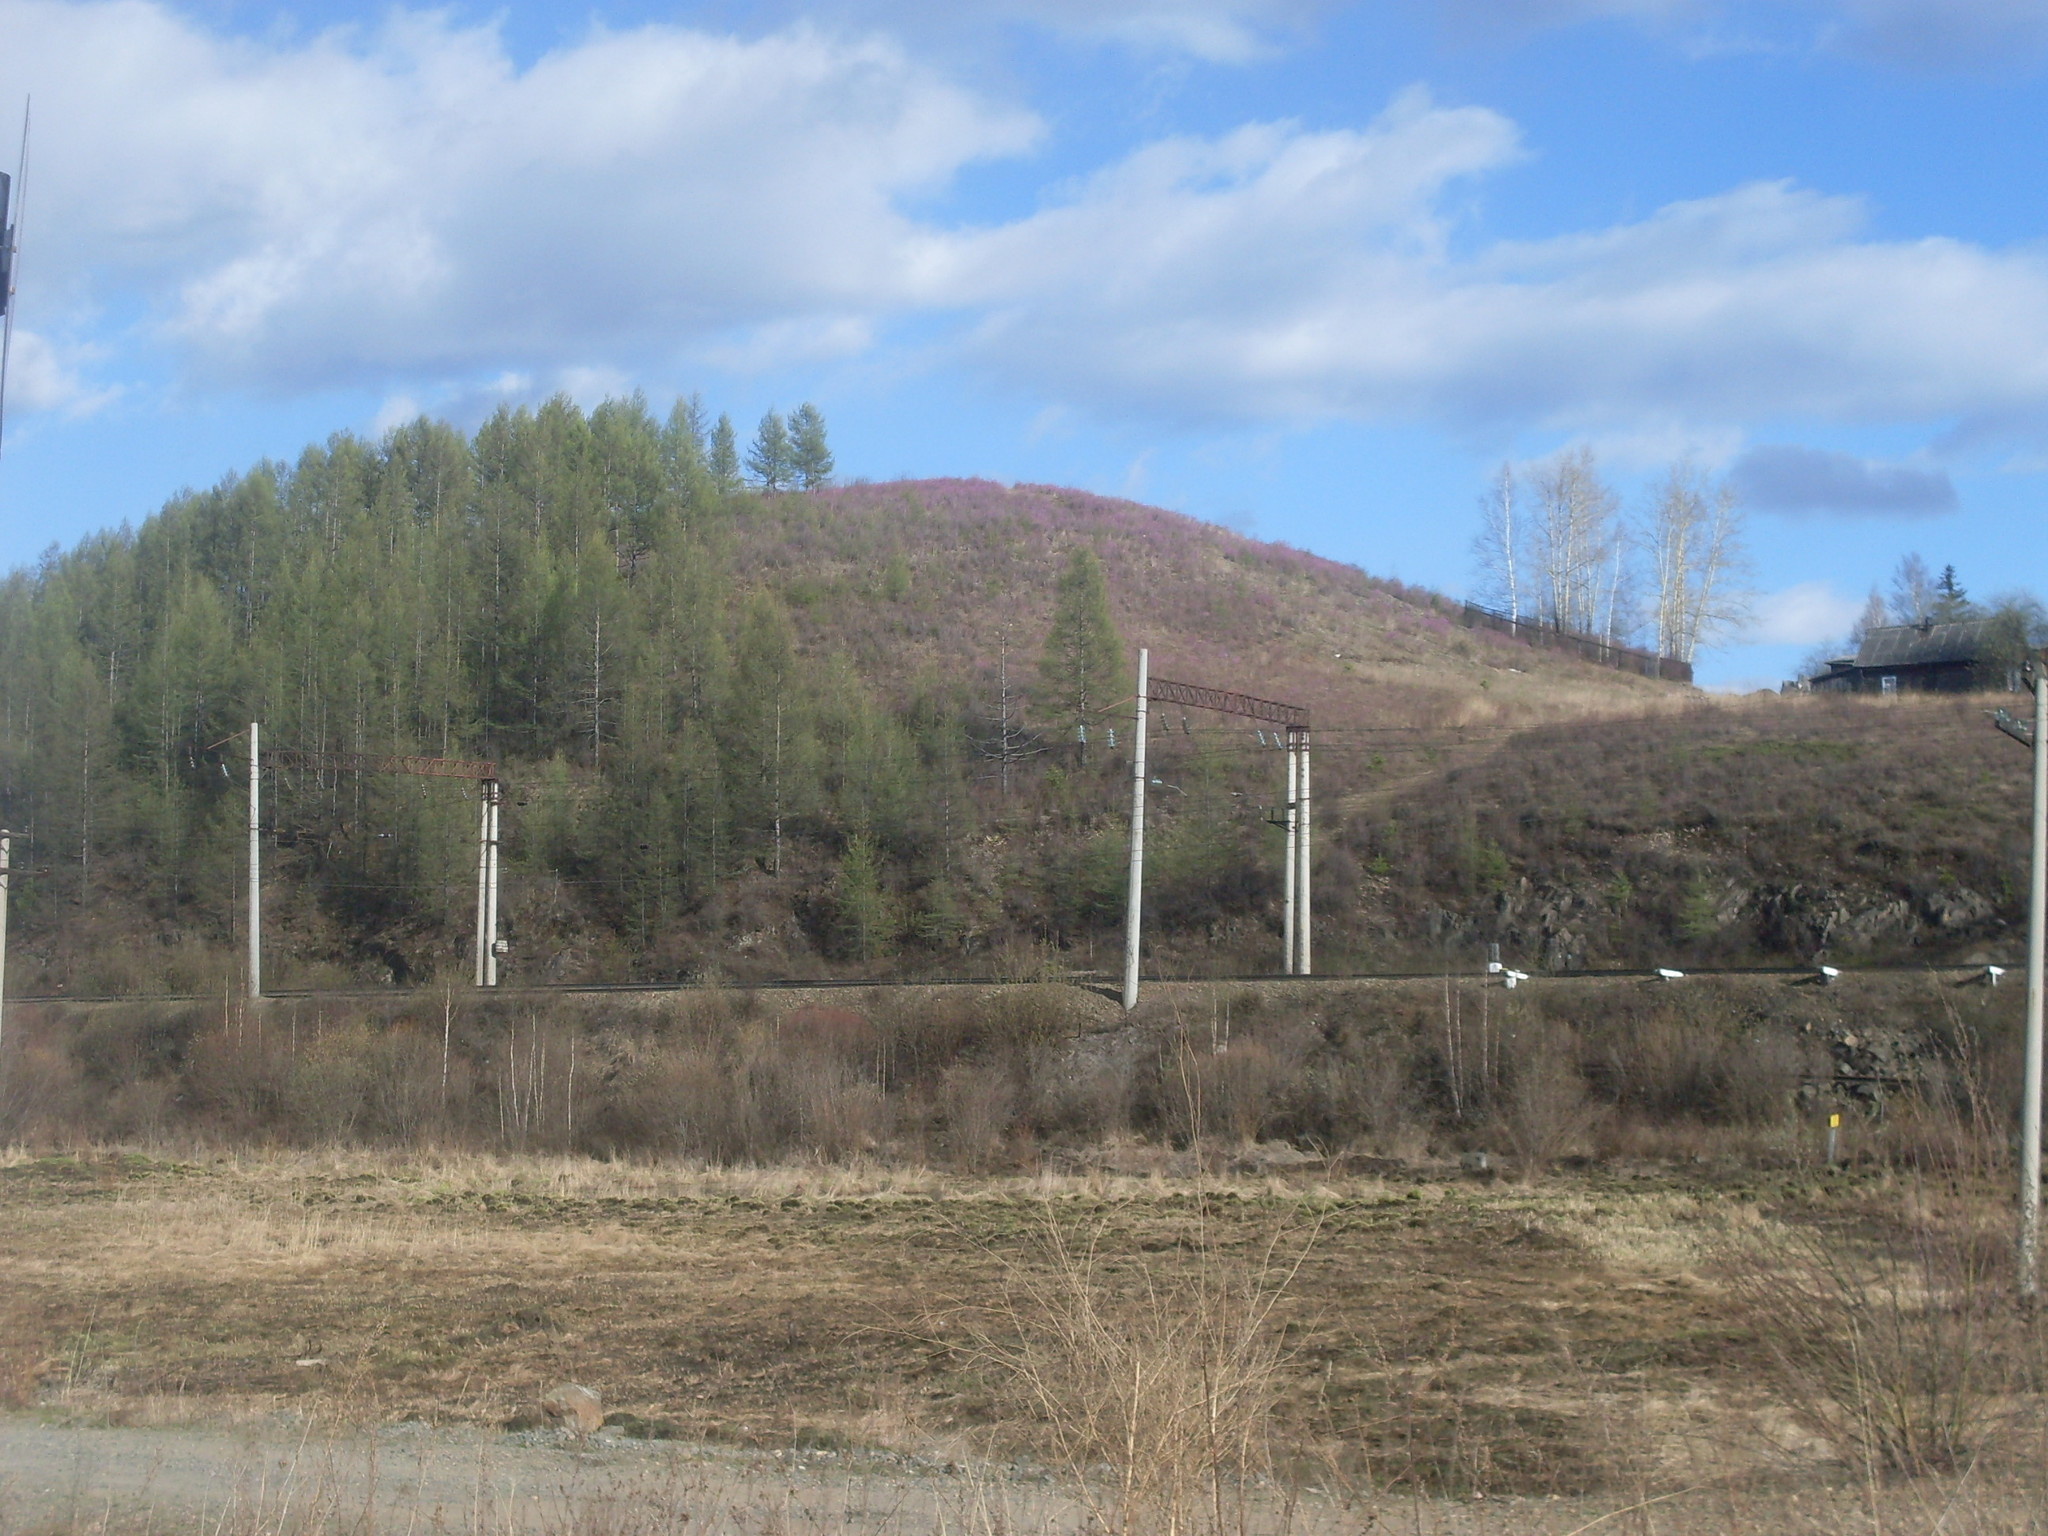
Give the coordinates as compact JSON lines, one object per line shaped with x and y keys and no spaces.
{"x":483,"y":877}
{"x":491,"y":914}
{"x":1302,"y":914}
{"x":255,"y":864}
{"x":6,"y":845}
{"x":2037,"y":934}
{"x":1134,"y":900}
{"x":1287,"y":879}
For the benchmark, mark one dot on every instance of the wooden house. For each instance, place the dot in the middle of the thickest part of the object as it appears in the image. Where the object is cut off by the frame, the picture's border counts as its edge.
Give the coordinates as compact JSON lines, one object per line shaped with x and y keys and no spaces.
{"x":1919,"y":658}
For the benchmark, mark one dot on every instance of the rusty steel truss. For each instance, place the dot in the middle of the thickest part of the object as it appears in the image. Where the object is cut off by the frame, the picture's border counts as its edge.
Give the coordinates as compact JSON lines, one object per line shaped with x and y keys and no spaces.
{"x":1194,"y":695}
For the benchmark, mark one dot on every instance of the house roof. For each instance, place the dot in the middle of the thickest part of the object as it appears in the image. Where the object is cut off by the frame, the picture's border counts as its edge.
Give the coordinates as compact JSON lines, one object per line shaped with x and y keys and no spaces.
{"x":1921,"y":645}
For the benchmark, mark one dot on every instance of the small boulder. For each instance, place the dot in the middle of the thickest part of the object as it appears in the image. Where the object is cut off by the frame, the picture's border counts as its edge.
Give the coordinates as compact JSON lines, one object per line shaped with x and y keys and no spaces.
{"x":574,"y":1407}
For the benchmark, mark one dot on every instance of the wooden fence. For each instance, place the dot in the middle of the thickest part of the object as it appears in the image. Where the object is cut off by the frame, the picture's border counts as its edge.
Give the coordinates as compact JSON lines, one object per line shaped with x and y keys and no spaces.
{"x":1604,"y":653}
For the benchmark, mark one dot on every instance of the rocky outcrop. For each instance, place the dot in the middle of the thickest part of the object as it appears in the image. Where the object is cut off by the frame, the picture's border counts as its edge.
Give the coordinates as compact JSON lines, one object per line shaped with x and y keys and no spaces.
{"x":569,"y":1406}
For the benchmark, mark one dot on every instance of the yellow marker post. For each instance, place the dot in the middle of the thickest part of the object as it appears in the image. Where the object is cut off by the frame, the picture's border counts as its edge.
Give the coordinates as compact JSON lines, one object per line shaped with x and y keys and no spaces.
{"x":1834,"y":1124}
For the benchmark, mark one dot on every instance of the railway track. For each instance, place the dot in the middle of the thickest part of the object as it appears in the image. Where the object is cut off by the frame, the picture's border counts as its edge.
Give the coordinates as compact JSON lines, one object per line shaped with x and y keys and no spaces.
{"x":1800,"y":974}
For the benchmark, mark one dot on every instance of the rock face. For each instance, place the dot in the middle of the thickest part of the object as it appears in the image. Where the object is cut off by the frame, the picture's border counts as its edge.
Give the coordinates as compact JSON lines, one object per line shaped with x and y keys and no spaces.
{"x":574,"y":1407}
{"x":1564,"y":925}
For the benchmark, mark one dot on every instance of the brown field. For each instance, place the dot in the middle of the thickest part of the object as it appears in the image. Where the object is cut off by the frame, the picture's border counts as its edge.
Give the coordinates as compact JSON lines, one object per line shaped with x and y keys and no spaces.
{"x":1616,"y":1343}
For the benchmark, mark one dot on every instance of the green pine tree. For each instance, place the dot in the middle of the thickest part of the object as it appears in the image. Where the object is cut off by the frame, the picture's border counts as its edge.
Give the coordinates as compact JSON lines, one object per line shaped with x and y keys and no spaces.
{"x":1081,"y":669}
{"x":769,"y":458}
{"x":1951,"y":602}
{"x":866,"y":916}
{"x":725,"y":456}
{"x":810,"y":456}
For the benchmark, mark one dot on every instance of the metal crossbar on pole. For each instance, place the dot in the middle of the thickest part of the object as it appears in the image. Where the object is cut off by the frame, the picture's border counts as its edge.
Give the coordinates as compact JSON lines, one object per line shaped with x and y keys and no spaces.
{"x":1160,"y":691}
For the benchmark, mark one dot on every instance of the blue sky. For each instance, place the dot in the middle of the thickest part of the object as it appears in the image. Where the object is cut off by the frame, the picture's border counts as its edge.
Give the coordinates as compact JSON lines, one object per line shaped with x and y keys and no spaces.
{"x":1308,"y":268}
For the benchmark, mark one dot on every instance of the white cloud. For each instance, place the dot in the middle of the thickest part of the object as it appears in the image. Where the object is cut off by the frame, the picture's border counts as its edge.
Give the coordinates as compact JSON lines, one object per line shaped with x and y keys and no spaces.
{"x":1219,"y":31}
{"x":1282,"y":273}
{"x":408,"y":209}
{"x":1810,"y":613}
{"x":809,"y":339}
{"x":1225,"y":32}
{"x":340,"y":211}
{"x":44,"y":377}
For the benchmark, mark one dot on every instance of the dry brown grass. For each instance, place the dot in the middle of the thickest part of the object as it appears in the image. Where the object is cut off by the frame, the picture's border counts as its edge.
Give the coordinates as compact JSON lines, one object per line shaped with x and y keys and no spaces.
{"x":1153,"y":1390}
{"x":1438,"y":1338}
{"x":1903,"y":1345}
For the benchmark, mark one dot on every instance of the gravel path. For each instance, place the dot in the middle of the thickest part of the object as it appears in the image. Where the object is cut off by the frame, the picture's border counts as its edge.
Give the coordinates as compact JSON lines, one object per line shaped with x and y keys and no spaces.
{"x":265,"y":1480}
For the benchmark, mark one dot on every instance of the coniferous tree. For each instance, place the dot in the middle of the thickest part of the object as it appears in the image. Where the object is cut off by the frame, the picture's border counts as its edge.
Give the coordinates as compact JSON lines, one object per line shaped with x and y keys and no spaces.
{"x":685,"y":448}
{"x":725,"y":457}
{"x":1080,"y":669}
{"x":1951,"y":602}
{"x":768,"y":728}
{"x":810,"y":456}
{"x":768,"y":459}
{"x":563,"y":593}
{"x":865,"y":919}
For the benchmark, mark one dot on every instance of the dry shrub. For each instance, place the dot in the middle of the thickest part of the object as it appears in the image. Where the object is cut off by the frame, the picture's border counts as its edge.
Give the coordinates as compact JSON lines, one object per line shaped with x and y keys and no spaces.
{"x":18,"y":1374}
{"x":978,"y":1102}
{"x":1369,"y":1099}
{"x":1548,"y":1109}
{"x":740,"y":1101}
{"x":776,"y":1105}
{"x":841,"y":1114}
{"x":40,"y":1092}
{"x":1079,"y":1099}
{"x":1233,"y":1090}
{"x":1904,"y":1352}
{"x":1154,"y":1387}
{"x":1683,"y":1061}
{"x":1950,"y":1122}
{"x":1024,"y":1017}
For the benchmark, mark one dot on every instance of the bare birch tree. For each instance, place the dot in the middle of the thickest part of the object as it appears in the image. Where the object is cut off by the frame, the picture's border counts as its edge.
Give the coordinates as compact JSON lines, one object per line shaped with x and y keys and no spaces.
{"x":1697,"y":561}
{"x":1574,"y":541}
{"x":1498,"y":546}
{"x":1620,"y":602}
{"x":1912,"y":591}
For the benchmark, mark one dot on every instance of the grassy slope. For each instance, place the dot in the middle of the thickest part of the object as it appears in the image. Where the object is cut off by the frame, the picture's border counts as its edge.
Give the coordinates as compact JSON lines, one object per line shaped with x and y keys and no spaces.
{"x":1213,"y":606}
{"x":1738,"y":830}
{"x":1482,"y":791}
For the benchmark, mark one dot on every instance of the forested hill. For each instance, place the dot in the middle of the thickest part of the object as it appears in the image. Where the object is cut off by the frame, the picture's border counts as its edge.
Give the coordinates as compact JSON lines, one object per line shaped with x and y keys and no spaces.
{"x":743,"y":733}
